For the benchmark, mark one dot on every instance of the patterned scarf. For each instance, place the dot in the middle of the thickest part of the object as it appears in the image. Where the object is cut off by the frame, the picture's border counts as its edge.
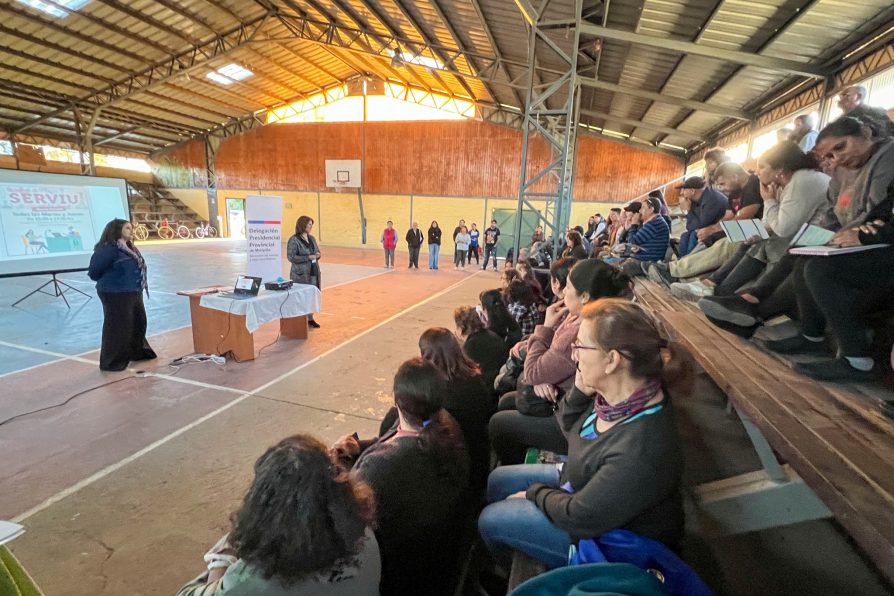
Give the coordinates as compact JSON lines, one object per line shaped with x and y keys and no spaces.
{"x":634,"y":404}
{"x":134,"y":253}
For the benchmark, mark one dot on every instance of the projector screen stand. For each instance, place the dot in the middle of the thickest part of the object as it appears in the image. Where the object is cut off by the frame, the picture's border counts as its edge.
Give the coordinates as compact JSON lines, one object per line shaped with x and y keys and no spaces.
{"x":59,"y":289}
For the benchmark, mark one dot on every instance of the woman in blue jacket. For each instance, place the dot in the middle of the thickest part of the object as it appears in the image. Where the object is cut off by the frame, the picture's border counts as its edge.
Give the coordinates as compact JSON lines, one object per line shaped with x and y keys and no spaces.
{"x":119,"y":271}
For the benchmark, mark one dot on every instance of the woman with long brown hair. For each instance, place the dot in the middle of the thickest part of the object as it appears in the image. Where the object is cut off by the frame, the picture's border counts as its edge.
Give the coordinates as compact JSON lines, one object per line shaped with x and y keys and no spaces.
{"x":625,"y":459}
{"x":303,"y":253}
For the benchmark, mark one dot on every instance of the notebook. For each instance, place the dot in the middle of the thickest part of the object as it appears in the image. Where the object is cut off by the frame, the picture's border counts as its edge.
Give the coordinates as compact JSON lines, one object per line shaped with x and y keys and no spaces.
{"x":10,"y":531}
{"x":740,"y":230}
{"x":811,"y":235}
{"x":828,"y":251}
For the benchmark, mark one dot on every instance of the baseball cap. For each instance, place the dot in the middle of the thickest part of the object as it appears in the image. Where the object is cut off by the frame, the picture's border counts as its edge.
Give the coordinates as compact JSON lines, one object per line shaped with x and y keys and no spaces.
{"x":693,"y":183}
{"x":633,"y":208}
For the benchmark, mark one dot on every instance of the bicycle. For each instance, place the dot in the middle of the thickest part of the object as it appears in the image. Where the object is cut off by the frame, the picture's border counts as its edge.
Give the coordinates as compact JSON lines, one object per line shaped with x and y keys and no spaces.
{"x":203,"y":231}
{"x":141,"y":232}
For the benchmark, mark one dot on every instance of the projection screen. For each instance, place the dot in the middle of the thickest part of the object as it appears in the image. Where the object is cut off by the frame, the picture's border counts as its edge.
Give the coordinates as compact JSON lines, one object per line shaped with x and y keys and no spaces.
{"x":50,"y":222}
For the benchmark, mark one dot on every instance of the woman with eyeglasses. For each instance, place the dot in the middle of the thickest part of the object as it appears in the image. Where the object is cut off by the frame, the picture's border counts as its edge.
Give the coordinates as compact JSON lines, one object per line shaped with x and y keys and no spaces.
{"x":625,"y":460}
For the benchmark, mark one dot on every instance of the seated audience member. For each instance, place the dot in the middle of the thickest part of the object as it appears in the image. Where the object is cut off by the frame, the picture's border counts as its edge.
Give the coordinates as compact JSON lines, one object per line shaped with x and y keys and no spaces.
{"x":705,"y":206}
{"x":506,"y":278}
{"x":784,"y":134}
{"x":794,"y":193}
{"x":549,"y":366}
{"x":591,"y":233}
{"x":467,"y":398}
{"x":862,"y":199}
{"x":574,"y":246}
{"x":497,"y":318}
{"x":829,"y":292}
{"x":609,"y":236}
{"x":745,"y":202}
{"x":303,"y":528}
{"x":713,"y":160}
{"x":526,"y":274}
{"x":523,"y":306}
{"x":625,"y":460}
{"x":851,"y":101}
{"x":664,"y":212}
{"x":805,"y":132}
{"x":419,"y":473}
{"x":484,"y":347}
{"x":649,"y":235}
{"x":583,"y":238}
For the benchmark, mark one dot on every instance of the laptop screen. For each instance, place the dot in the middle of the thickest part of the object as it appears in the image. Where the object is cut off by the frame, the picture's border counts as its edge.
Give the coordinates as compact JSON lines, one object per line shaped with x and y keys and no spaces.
{"x":243,"y":282}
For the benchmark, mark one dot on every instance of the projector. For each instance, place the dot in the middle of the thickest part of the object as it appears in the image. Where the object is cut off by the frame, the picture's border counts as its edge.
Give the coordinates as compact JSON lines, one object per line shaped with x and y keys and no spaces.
{"x":278,"y":285}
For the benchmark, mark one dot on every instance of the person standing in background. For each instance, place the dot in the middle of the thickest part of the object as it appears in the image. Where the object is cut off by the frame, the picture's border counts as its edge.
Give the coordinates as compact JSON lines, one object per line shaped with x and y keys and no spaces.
{"x":462,"y":241}
{"x":434,"y":245}
{"x":414,"y":243}
{"x":119,"y":270}
{"x":805,"y":132}
{"x":389,"y":243}
{"x":456,"y":230}
{"x":491,"y":235}
{"x":303,"y":253}
{"x":473,"y":245}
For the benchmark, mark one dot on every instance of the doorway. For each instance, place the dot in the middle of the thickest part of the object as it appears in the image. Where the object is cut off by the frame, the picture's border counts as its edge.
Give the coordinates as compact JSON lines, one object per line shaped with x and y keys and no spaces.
{"x":506,"y":221}
{"x":236,"y":218}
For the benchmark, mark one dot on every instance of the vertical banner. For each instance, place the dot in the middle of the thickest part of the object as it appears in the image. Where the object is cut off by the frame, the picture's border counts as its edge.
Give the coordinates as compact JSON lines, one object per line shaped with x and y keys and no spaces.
{"x":263,"y":226}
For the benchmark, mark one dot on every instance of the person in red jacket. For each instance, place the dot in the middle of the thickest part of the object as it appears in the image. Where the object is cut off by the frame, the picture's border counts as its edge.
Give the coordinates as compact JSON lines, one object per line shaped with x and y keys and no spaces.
{"x":389,"y":242}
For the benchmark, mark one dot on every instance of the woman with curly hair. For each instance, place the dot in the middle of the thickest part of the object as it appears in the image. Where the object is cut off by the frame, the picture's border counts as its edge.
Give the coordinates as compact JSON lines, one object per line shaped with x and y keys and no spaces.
{"x":303,"y":528}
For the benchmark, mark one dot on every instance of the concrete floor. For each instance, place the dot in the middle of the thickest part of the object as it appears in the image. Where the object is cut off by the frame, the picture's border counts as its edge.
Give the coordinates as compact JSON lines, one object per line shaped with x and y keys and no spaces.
{"x":123,"y":489}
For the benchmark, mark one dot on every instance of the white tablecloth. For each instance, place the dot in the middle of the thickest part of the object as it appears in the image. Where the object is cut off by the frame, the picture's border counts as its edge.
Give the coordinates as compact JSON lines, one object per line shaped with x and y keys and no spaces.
{"x":268,"y":305}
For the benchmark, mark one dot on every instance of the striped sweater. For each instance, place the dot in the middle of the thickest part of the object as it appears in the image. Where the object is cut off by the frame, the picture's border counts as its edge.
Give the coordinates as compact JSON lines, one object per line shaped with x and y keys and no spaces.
{"x":652,"y":238}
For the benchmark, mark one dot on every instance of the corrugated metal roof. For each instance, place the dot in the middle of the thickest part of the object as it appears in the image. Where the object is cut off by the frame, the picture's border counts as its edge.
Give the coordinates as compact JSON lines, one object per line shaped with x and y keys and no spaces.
{"x":48,"y":64}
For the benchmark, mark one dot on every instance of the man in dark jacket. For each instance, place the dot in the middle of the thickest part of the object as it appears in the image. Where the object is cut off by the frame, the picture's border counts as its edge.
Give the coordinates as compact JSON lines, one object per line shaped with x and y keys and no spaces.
{"x":414,"y":241}
{"x":851,"y":99}
{"x":491,"y":235}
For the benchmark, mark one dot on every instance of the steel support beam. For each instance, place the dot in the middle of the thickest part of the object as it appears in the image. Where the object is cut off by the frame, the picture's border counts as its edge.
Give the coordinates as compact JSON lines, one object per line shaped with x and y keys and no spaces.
{"x":687,"y":47}
{"x":556,"y":124}
{"x":701,"y":106}
{"x":174,"y":66}
{"x":639,"y":124}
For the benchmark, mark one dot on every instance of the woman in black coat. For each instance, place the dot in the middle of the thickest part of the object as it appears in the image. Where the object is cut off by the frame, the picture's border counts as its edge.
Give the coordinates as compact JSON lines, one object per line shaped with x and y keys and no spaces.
{"x":303,"y":253}
{"x":119,"y":271}
{"x":434,"y":245}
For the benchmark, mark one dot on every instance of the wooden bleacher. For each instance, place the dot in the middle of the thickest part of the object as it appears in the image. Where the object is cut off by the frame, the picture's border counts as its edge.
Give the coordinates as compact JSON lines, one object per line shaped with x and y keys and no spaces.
{"x":836,"y":445}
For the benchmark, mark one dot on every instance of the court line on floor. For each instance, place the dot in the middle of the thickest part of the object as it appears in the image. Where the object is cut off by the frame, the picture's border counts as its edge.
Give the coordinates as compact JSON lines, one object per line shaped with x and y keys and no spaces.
{"x":99,"y":475}
{"x":58,"y":355}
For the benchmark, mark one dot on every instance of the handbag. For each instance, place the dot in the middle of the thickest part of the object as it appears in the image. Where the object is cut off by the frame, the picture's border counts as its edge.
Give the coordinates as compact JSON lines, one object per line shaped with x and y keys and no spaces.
{"x":528,"y":403}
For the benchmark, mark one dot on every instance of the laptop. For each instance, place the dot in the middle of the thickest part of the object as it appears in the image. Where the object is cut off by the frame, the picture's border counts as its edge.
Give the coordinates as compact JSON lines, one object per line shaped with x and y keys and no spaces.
{"x":246,"y":287}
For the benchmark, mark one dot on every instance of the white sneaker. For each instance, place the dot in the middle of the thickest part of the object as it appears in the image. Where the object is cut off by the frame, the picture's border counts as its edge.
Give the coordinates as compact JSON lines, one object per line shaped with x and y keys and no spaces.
{"x":691,"y":290}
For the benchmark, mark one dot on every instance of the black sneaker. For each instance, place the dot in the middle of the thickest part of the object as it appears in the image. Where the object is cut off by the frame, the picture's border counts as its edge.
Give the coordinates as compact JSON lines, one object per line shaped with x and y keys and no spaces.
{"x":745,"y":332}
{"x":660,"y":274}
{"x":732,"y":309}
{"x":833,"y":369}
{"x":796,"y":345}
{"x":313,"y":324}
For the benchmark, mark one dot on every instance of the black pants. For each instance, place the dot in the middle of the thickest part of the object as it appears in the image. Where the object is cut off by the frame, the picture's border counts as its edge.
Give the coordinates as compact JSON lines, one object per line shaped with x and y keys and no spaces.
{"x":490,"y":249}
{"x":123,"y":330}
{"x":828,"y":290}
{"x":473,"y":251}
{"x":511,"y":433}
{"x":414,"y":257}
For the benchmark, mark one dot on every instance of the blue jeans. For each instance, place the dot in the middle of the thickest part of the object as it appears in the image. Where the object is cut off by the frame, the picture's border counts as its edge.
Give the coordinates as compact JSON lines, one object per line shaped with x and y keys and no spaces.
{"x":433,"y":251}
{"x":490,"y":249}
{"x":688,"y":241}
{"x":518,"y":524}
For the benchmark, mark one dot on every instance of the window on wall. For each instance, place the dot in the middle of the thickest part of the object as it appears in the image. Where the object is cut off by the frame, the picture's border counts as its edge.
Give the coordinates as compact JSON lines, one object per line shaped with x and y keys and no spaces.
{"x":5,"y":148}
{"x":770,"y":135}
{"x":739,"y":153}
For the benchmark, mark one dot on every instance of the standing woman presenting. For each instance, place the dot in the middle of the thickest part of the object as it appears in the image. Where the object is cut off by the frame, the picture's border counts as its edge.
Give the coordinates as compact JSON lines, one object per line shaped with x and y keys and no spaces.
{"x":434,"y":245}
{"x":303,"y":253}
{"x":119,"y":271}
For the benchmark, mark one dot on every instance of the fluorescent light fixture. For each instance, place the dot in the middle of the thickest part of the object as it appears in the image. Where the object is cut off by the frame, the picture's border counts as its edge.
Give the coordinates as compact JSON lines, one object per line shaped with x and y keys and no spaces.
{"x":229,"y":74}
{"x":55,"y":11}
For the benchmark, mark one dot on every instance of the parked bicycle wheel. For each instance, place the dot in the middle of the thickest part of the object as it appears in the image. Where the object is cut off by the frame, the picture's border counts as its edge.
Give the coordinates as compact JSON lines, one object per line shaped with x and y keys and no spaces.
{"x":200,"y":232}
{"x":183,"y":232}
{"x":165,"y":233}
{"x":141,"y":232}
{"x":211,"y":232}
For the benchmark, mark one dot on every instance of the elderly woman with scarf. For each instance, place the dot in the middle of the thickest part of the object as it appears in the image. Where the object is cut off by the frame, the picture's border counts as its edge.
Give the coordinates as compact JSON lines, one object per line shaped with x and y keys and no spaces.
{"x":119,"y":271}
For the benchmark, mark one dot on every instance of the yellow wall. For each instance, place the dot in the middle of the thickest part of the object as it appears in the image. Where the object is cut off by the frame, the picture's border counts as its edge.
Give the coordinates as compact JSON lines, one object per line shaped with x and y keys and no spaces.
{"x":194,"y":198}
{"x":338,"y":219}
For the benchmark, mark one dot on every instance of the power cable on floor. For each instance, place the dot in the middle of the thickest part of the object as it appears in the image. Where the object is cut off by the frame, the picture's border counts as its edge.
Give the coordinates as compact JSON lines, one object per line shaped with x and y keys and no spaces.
{"x":66,"y":402}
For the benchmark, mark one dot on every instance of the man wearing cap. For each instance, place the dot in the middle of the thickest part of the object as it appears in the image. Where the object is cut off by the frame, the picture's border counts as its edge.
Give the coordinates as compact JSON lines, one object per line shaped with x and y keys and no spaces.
{"x":745,"y":202}
{"x":705,"y":207}
{"x":648,"y":233}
